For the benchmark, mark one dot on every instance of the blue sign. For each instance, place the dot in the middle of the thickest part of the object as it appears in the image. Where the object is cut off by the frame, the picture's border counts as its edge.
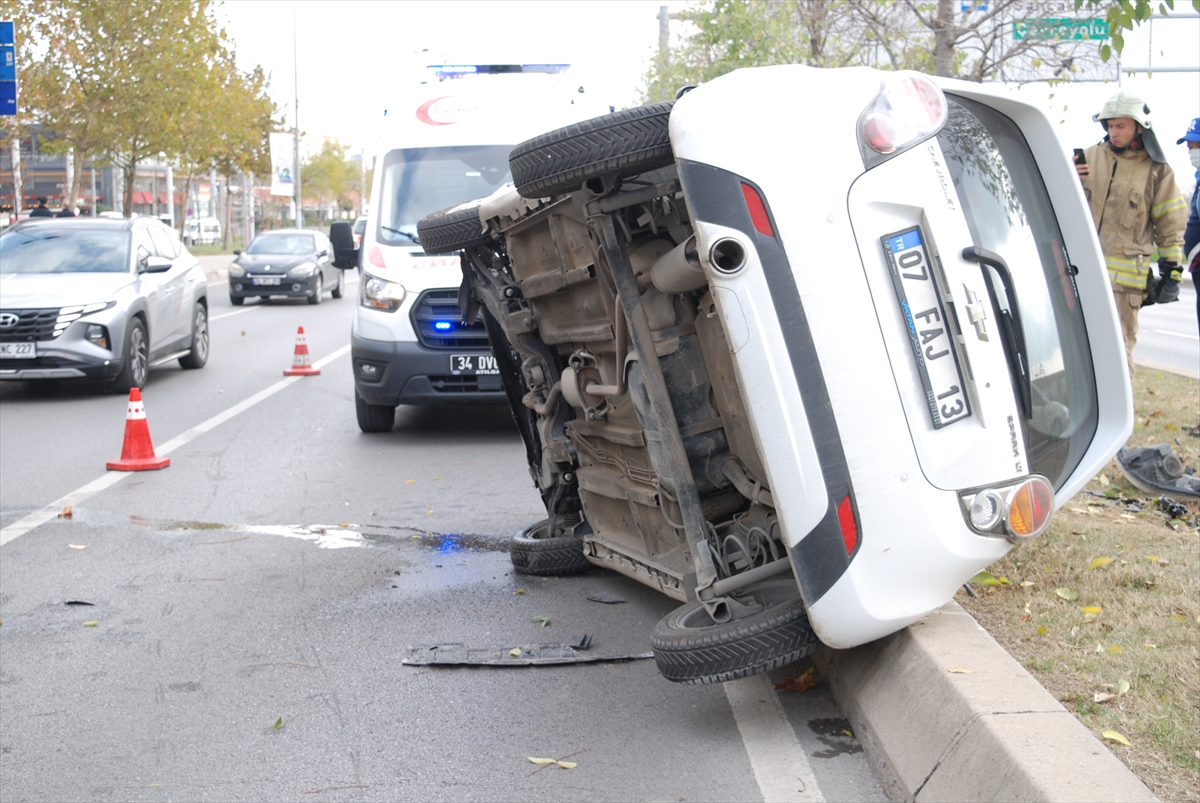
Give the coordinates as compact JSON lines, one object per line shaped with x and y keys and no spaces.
{"x":7,"y":33}
{"x":8,"y":63}
{"x":8,"y":98}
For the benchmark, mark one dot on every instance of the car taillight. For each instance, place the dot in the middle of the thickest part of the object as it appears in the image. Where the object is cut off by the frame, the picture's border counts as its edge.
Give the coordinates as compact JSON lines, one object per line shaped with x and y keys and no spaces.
{"x":1016,"y":513}
{"x":908,"y":109}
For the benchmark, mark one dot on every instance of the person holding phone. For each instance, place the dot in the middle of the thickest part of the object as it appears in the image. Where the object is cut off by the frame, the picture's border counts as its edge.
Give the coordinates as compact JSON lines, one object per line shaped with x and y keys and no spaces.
{"x":1136,"y":207}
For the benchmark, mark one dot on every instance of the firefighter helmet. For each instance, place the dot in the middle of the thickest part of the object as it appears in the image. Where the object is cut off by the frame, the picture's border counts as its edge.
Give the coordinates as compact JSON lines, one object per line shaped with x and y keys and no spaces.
{"x":1125,"y":104}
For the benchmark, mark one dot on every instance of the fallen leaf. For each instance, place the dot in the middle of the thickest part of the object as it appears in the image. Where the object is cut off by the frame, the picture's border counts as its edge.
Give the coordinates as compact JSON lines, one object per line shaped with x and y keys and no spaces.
{"x":91,"y":623}
{"x":66,"y":513}
{"x":1163,"y":562}
{"x":1027,"y":616}
{"x":344,"y":525}
{"x":989,"y":579}
{"x":1171,"y":427}
{"x":519,"y":591}
{"x":1123,"y":687}
{"x":409,"y":482}
{"x":962,"y":671}
{"x":1067,"y":593}
{"x":279,"y":723}
{"x":567,"y":765}
{"x":1028,"y":583}
{"x":1102,"y":480}
{"x":1150,"y":646}
{"x":427,"y":512}
{"x":1179,"y":617}
{"x":1113,"y":736}
{"x":1041,"y":631}
{"x":1151,"y":558}
{"x":800,"y":684}
{"x":515,"y":652}
{"x":1103,"y":697}
{"x":848,"y":734}
{"x":1115,"y":649}
{"x":533,"y":760}
{"x":542,"y":619}
{"x":77,"y":546}
{"x":1091,"y":611}
{"x":1098,"y":562}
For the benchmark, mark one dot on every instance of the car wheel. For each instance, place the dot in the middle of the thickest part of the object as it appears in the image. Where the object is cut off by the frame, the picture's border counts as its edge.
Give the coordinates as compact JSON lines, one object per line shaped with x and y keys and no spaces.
{"x":199,"y":353}
{"x":315,"y":298}
{"x":689,"y":647}
{"x":339,"y":289}
{"x":137,"y":358}
{"x":451,"y":230}
{"x":534,"y":552}
{"x":237,"y":301}
{"x":620,"y":144}
{"x":374,"y":417}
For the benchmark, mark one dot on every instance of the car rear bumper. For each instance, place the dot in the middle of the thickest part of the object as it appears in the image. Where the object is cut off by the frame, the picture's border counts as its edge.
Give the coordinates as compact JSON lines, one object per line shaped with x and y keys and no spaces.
{"x":408,"y":373}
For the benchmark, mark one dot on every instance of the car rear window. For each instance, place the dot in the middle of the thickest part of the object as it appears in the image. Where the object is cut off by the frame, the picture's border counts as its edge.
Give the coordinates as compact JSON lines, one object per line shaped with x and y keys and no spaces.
{"x":66,"y":249}
{"x":282,"y":244}
{"x":1009,"y":212}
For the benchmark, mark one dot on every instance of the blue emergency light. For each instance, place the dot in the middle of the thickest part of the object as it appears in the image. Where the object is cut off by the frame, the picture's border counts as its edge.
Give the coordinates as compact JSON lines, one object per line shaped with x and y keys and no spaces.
{"x":443,"y":326}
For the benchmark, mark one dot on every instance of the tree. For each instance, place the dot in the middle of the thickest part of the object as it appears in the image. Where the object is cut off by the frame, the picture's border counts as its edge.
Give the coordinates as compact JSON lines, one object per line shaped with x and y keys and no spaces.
{"x":934,"y":36}
{"x":132,"y":79}
{"x":330,"y":176}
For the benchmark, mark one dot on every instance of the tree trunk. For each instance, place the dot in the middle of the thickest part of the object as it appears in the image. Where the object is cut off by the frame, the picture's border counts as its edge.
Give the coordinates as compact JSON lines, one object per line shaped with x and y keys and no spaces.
{"x":130,"y":172}
{"x":945,"y":33}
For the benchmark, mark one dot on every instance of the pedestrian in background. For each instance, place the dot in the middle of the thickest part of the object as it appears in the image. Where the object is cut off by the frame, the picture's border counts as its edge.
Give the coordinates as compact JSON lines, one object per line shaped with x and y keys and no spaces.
{"x":41,"y":210}
{"x":65,"y":212}
{"x":1191,"y":236}
{"x":1135,"y":206}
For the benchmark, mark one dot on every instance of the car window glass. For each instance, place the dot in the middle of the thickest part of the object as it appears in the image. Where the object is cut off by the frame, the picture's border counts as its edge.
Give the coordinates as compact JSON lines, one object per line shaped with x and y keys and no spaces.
{"x":142,"y":244}
{"x":162,"y":242}
{"x":417,"y":181}
{"x":297,"y":243}
{"x":64,"y":249}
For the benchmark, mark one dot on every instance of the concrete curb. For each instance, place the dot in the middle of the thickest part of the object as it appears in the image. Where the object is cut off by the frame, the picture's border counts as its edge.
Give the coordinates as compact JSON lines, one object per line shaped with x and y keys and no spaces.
{"x":991,"y":732}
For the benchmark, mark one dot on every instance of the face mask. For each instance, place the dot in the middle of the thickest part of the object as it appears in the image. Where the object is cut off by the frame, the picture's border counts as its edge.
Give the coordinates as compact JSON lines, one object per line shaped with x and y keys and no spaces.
{"x":1194,"y":155}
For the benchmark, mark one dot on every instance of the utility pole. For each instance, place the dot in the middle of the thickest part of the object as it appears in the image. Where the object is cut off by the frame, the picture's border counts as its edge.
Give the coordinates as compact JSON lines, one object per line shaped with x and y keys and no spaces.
{"x":18,"y":186}
{"x":171,"y":194}
{"x":296,"y":130}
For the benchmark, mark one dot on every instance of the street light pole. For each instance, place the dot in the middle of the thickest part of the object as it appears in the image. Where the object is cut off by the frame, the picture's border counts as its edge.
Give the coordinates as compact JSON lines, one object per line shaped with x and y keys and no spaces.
{"x":299,"y":198}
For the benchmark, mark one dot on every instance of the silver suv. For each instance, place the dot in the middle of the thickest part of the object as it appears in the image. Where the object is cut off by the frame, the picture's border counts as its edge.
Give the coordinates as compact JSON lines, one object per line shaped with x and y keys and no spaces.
{"x":105,"y":299}
{"x":805,"y":372}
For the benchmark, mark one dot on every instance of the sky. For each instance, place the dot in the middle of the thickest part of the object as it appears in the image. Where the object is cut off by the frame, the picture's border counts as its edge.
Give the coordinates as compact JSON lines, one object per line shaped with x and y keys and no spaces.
{"x":353,"y":56}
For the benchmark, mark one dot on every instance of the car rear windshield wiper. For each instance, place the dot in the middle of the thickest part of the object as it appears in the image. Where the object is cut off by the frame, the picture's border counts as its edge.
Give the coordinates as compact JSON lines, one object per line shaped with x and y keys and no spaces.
{"x":1010,"y":321}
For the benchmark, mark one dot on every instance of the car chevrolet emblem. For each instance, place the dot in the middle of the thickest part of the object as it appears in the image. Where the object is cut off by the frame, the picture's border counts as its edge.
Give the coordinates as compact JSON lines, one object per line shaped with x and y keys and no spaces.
{"x":8,"y":320}
{"x":976,"y":313}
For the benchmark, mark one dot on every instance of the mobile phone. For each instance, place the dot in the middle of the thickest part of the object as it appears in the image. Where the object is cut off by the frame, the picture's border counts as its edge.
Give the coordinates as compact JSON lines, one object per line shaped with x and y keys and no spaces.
{"x":1080,"y":159}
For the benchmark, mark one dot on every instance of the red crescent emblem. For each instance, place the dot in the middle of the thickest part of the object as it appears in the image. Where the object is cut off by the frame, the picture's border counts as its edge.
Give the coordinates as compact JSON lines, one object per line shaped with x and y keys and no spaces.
{"x":423,"y":112}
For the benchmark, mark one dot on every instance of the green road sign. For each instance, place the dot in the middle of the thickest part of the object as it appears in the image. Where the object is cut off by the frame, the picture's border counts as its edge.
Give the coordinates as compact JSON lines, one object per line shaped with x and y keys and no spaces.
{"x":1060,"y":28}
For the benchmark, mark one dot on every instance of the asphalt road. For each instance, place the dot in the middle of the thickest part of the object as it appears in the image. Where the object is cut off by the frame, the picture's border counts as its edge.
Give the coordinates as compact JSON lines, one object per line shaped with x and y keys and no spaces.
{"x":1169,"y":334}
{"x":275,"y":574}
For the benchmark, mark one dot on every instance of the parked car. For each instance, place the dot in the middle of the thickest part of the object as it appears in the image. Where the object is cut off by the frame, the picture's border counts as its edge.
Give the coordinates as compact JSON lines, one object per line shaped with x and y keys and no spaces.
{"x":99,"y":298}
{"x":202,"y":231}
{"x":360,"y":227}
{"x":295,"y":263}
{"x":804,"y":350}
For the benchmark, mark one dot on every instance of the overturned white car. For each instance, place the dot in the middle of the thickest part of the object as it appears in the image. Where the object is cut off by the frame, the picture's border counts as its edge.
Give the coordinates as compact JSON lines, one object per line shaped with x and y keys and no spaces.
{"x":804,"y":349}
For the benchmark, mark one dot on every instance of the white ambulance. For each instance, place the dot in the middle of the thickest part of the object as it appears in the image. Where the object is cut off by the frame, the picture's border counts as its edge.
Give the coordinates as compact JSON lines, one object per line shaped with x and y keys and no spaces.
{"x":446,"y":143}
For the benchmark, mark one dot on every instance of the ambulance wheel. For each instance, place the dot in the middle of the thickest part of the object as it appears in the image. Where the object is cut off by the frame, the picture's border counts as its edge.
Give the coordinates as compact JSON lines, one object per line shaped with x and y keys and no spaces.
{"x":533,"y":552}
{"x":620,"y":145}
{"x":689,"y":647}
{"x":451,"y":230}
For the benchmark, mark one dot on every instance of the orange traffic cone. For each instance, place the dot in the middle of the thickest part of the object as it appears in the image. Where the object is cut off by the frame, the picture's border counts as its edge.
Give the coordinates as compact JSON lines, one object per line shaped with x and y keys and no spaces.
{"x":138,"y":452}
{"x":300,"y":364}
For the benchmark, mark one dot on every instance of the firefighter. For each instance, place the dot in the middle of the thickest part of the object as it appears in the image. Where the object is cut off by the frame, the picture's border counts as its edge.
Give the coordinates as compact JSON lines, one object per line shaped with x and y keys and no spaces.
{"x":1136,"y":206}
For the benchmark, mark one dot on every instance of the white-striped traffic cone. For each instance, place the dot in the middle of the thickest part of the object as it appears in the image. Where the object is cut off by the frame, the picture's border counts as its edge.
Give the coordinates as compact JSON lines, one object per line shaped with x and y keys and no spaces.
{"x":300,"y":363}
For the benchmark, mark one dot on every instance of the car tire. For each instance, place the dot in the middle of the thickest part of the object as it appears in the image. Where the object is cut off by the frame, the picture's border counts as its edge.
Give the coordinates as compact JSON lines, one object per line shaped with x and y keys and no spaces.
{"x":690,"y":648}
{"x":339,"y":289}
{"x":374,"y":417}
{"x":532,"y":552}
{"x":198,"y":356}
{"x":136,"y":365}
{"x":620,"y":144}
{"x":451,"y":230}
{"x":315,"y":298}
{"x":237,"y":301}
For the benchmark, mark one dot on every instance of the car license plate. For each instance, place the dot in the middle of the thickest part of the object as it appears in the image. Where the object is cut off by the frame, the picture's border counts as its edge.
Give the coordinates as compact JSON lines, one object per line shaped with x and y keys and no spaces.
{"x":473,"y":364}
{"x":264,"y":280}
{"x":18,"y":351}
{"x":928,"y":330}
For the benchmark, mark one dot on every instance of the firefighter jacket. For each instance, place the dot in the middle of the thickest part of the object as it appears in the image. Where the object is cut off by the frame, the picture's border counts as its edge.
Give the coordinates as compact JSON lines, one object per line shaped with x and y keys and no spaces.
{"x":1135,"y":205}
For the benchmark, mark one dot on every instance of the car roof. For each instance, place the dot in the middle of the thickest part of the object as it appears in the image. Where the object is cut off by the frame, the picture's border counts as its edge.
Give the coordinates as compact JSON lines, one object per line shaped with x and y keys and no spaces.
{"x":34,"y":223}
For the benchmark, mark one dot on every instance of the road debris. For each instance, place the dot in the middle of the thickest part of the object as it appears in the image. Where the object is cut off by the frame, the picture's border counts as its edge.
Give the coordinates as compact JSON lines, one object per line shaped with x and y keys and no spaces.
{"x":524,"y":655}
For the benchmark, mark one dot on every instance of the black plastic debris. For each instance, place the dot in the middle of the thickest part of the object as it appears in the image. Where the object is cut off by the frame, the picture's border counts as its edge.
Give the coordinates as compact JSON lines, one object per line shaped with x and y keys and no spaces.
{"x":606,"y":598}
{"x":1173,"y":509}
{"x":581,"y":641}
{"x":523,"y":655}
{"x":78,"y":602}
{"x":1157,"y":469}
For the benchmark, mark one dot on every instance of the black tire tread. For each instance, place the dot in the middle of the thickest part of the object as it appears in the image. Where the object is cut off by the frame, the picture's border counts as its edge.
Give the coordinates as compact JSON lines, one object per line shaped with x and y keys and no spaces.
{"x":192,"y":360}
{"x":373,"y":417}
{"x":450,"y":230}
{"x":768,"y":640}
{"x":625,"y":143}
{"x":547,"y":557}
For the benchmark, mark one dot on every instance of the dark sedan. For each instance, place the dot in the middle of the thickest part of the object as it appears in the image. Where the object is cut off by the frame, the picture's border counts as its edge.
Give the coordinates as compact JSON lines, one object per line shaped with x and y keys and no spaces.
{"x":294,"y":263}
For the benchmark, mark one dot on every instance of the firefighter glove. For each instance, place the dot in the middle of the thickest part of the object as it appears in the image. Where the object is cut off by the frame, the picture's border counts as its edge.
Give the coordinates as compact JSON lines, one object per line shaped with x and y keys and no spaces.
{"x":1167,"y":289}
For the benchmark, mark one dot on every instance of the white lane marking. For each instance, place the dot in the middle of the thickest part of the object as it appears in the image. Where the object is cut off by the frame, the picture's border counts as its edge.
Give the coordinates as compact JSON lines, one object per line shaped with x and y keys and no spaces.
{"x":778,"y":760}
{"x":231,"y":314}
{"x":1176,"y":334}
{"x":108,"y":479}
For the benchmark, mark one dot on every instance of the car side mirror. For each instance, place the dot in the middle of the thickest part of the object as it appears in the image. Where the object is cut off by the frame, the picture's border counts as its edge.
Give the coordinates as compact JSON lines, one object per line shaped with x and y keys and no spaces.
{"x":345,"y":254}
{"x":155,"y":265}
{"x":237,"y":252}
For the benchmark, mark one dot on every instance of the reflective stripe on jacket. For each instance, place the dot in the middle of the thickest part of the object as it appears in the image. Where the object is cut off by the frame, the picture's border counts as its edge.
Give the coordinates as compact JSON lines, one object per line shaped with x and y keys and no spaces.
{"x":1136,"y":206}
